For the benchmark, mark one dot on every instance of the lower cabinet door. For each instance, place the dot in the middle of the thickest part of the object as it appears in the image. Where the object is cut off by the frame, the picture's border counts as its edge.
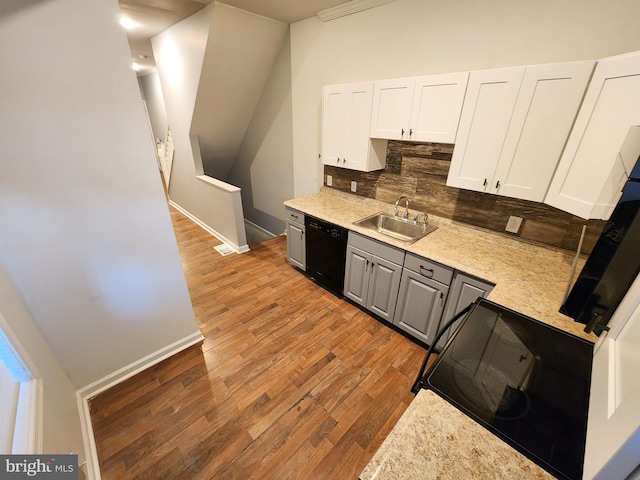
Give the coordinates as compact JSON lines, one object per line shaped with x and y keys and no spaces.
{"x":296,"y":244}
{"x":356,"y":275}
{"x":464,"y":291}
{"x":383,"y":287}
{"x":421,"y":302}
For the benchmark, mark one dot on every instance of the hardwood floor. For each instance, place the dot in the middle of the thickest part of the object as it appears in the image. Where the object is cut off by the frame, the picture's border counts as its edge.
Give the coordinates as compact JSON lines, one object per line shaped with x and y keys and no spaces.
{"x":289,"y":382}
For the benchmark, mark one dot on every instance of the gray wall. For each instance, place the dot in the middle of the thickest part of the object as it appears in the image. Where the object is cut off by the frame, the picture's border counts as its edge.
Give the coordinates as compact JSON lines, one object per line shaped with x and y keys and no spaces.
{"x":263,"y":167}
{"x":152,"y":92}
{"x":85,"y":232}
{"x":61,"y":421}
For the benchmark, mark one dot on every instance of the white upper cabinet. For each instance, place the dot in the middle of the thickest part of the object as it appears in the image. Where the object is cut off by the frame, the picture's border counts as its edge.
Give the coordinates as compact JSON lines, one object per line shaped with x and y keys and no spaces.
{"x":515,"y":123}
{"x":546,"y":108}
{"x":588,"y":177}
{"x":486,"y":113}
{"x":346,"y":117}
{"x":390,"y":115}
{"x":423,"y":109}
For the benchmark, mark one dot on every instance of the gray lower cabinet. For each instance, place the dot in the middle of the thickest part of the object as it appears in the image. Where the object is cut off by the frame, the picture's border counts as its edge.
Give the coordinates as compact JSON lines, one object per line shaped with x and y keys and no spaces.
{"x":465,"y":290}
{"x":296,"y":252}
{"x":372,"y":275}
{"x":422,"y":297}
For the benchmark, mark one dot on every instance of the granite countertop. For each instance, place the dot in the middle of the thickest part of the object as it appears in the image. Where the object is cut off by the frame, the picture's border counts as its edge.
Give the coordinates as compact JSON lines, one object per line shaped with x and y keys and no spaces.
{"x":433,"y":439}
{"x":530,"y":279}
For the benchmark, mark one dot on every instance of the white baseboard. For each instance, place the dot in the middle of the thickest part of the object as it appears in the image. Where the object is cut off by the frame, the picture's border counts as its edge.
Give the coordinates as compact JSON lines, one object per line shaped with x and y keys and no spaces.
{"x":86,"y":393}
{"x":219,"y":236}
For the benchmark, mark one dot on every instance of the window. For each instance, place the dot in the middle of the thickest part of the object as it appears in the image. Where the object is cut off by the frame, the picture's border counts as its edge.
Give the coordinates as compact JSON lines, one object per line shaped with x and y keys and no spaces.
{"x":20,"y":394}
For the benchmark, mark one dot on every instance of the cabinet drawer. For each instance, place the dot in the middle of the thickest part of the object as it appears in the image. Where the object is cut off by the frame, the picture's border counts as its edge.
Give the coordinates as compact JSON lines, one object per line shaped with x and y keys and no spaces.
{"x":378,"y":249}
{"x":428,"y":268}
{"x":294,"y":215}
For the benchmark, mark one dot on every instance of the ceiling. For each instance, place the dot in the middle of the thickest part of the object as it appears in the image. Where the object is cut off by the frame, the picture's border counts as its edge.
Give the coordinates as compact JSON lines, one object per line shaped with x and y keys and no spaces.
{"x":154,"y":16}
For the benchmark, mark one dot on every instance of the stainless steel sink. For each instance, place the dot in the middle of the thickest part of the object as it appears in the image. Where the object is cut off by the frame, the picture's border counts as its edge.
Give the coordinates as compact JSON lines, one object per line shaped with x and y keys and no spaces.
{"x":402,"y":229}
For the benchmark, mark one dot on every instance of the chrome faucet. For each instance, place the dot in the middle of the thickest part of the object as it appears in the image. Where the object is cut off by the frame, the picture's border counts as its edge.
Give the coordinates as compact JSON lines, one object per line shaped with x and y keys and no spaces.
{"x":406,"y":206}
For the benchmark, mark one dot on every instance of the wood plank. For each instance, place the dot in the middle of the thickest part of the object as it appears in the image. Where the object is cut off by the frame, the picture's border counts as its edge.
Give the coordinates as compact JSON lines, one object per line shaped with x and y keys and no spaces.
{"x":289,"y":382}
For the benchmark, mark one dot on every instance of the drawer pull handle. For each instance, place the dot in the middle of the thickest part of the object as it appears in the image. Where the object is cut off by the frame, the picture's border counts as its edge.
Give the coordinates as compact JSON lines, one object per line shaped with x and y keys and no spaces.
{"x":428,"y":270}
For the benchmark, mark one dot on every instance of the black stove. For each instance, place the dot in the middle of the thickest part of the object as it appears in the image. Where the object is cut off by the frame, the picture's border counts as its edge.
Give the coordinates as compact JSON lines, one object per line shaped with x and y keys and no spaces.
{"x":525,"y":381}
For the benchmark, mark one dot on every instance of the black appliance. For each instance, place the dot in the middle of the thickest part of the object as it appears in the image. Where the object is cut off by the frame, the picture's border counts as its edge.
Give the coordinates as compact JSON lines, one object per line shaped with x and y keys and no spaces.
{"x":326,"y":251}
{"x":612,"y":266}
{"x":525,"y":381}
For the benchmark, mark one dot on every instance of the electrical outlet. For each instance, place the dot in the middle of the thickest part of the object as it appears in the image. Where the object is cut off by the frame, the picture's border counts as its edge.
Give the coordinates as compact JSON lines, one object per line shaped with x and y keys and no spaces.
{"x":354,"y":185}
{"x":329,"y":180}
{"x":513,"y":225}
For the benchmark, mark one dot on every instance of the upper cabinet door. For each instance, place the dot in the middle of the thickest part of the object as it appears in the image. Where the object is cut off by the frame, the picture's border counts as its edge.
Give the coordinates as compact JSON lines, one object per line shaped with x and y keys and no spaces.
{"x":436,"y":107}
{"x":544,"y":113}
{"x":335,"y":124}
{"x":392,"y":108}
{"x":486,"y":113}
{"x":358,"y":143}
{"x":423,"y":109}
{"x":346,"y":118}
{"x":583,"y":183}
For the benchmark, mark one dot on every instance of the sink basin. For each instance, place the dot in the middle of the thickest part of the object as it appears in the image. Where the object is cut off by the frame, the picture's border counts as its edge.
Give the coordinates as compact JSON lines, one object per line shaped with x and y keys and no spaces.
{"x":396,"y":227}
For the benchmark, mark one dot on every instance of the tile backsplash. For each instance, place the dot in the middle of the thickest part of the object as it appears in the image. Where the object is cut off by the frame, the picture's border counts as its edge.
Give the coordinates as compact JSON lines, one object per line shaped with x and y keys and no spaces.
{"x":419,"y":171}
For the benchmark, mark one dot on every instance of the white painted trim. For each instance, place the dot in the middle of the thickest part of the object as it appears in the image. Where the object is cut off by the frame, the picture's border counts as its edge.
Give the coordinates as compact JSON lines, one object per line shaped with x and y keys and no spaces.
{"x":86,"y":393}
{"x":29,"y":418}
{"x":219,"y":184}
{"x":348,"y":8}
{"x":132,"y":369}
{"x":30,"y":415}
{"x":219,"y":236}
{"x":91,"y":452}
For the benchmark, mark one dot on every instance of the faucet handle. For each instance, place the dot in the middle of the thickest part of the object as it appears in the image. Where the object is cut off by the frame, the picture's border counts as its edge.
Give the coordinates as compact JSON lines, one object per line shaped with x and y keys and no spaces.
{"x":424,"y":216}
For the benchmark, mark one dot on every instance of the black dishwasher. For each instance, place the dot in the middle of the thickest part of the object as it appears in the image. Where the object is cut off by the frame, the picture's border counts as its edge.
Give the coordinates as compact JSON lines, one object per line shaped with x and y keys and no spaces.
{"x":326,"y":249}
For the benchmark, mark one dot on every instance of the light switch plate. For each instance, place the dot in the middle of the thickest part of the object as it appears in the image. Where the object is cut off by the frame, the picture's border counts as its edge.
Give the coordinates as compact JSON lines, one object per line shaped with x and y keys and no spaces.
{"x":354,"y":185}
{"x":513,"y":225}
{"x":329,"y":180}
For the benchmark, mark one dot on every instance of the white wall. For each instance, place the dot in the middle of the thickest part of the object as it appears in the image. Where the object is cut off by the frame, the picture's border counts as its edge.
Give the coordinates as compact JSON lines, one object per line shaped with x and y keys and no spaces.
{"x":61,"y":420}
{"x":85,"y":233}
{"x":263,"y":167}
{"x":241,"y":49}
{"x":179,"y":52}
{"x":413,"y":37}
{"x":152,"y":91}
